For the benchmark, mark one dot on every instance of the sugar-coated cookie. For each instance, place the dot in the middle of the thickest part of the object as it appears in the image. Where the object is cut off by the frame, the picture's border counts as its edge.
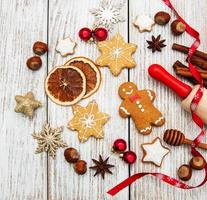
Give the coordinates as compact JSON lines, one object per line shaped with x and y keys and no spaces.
{"x":143,"y":23}
{"x":116,"y":54}
{"x":66,"y":46}
{"x":138,"y":105}
{"x":154,"y":152}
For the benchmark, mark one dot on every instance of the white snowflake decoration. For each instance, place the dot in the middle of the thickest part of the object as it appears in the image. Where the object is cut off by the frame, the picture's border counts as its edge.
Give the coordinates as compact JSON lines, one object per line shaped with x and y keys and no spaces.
{"x":107,"y":14}
{"x":49,"y":140}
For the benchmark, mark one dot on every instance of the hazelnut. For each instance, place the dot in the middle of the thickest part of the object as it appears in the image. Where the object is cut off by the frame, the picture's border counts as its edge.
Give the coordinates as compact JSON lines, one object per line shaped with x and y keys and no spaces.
{"x":185,"y":172}
{"x":178,"y":27}
{"x":80,"y":167}
{"x":197,"y":162}
{"x":71,"y":155}
{"x":40,"y":48}
{"x":162,"y":18}
{"x":34,"y":63}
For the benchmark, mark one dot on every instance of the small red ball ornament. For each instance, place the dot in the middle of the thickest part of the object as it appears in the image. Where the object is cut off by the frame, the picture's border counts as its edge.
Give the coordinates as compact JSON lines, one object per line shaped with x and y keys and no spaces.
{"x":85,"y":34}
{"x":129,"y":157}
{"x":119,"y":145}
{"x":100,"y":34}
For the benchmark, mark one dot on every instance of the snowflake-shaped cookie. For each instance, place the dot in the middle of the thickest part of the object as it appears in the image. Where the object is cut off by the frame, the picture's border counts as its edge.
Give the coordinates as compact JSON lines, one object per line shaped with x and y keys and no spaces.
{"x":107,"y":14}
{"x":88,"y":121}
{"x":116,"y":54}
{"x":49,"y":140}
{"x":154,"y":152}
{"x":66,"y":46}
{"x":144,"y":23}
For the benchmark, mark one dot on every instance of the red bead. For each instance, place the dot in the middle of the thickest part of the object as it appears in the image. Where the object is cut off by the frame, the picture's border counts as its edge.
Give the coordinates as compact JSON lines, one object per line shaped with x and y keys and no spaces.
{"x":85,"y":34}
{"x":129,"y":157}
{"x":119,"y":145}
{"x":100,"y":34}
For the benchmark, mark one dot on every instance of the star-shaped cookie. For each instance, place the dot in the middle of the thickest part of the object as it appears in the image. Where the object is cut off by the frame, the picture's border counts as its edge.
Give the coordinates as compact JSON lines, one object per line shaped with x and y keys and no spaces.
{"x":116,"y":54}
{"x":27,"y":104}
{"x":66,"y":46}
{"x":88,"y":121}
{"x":144,"y":23}
{"x":154,"y":152}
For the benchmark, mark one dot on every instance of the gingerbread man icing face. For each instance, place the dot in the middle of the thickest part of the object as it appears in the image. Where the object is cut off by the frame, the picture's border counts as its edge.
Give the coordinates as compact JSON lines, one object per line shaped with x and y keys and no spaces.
{"x":127,"y":89}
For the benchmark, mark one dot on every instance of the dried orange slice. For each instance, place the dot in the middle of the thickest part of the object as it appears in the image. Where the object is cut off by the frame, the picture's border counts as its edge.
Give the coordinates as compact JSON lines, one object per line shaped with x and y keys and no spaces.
{"x":91,"y":72}
{"x":65,"y":85}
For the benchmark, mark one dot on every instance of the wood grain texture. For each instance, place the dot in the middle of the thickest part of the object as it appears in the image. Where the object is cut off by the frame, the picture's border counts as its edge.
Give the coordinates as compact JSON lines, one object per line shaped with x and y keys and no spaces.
{"x":66,"y":18}
{"x":167,"y":102}
{"x":24,"y":175}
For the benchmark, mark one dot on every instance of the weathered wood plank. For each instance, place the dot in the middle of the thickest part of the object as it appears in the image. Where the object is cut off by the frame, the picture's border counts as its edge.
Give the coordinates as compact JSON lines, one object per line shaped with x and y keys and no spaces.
{"x":66,"y":18}
{"x":166,"y":101}
{"x":23,"y":175}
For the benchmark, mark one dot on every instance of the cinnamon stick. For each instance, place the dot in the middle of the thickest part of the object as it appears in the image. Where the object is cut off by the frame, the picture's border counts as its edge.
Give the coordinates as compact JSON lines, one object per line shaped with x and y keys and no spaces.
{"x":183,"y":71}
{"x":195,"y":60}
{"x":199,"y":58}
{"x":194,"y":82}
{"x":185,"y":50}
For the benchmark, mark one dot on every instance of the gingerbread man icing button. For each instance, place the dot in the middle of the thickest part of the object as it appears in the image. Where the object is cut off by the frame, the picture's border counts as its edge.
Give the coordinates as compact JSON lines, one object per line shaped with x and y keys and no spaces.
{"x":138,"y":104}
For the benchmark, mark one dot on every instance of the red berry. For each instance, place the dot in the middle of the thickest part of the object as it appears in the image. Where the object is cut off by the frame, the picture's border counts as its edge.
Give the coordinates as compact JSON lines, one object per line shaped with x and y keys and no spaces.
{"x":100,"y":34}
{"x":119,"y":145}
{"x":85,"y":34}
{"x":129,"y":157}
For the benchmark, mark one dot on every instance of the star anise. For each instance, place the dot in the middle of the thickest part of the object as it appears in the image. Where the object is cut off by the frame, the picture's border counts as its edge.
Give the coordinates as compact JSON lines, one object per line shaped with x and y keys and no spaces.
{"x":156,"y":44}
{"x":101,"y":166}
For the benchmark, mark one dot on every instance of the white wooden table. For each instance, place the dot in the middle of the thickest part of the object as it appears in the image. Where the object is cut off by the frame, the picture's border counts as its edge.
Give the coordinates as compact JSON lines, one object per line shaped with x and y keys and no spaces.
{"x":27,"y":176}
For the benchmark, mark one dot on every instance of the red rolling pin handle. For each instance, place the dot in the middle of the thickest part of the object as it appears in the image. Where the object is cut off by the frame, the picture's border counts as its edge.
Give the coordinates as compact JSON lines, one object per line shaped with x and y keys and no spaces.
{"x":159,"y":73}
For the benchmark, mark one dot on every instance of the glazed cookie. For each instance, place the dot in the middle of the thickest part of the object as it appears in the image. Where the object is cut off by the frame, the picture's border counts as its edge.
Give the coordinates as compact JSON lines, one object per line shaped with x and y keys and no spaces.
{"x":88,"y":121}
{"x":66,"y":46}
{"x":144,"y":23}
{"x":116,"y":54}
{"x":138,"y":104}
{"x":154,"y":152}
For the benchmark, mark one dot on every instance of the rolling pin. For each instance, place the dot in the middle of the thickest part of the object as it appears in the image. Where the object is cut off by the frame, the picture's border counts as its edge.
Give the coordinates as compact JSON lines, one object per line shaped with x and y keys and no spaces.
{"x":184,"y":91}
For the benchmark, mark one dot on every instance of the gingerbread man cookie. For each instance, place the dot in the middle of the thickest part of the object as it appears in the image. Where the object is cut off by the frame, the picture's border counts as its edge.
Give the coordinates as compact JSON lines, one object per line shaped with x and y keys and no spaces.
{"x":138,"y":105}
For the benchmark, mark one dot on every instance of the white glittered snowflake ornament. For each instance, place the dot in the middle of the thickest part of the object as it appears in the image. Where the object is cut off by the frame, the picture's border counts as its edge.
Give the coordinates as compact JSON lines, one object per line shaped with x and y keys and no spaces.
{"x":107,"y":14}
{"x":49,"y":140}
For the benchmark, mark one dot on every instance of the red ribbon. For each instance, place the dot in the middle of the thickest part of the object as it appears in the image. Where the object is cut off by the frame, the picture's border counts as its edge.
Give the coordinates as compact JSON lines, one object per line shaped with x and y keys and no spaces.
{"x":167,"y":179}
